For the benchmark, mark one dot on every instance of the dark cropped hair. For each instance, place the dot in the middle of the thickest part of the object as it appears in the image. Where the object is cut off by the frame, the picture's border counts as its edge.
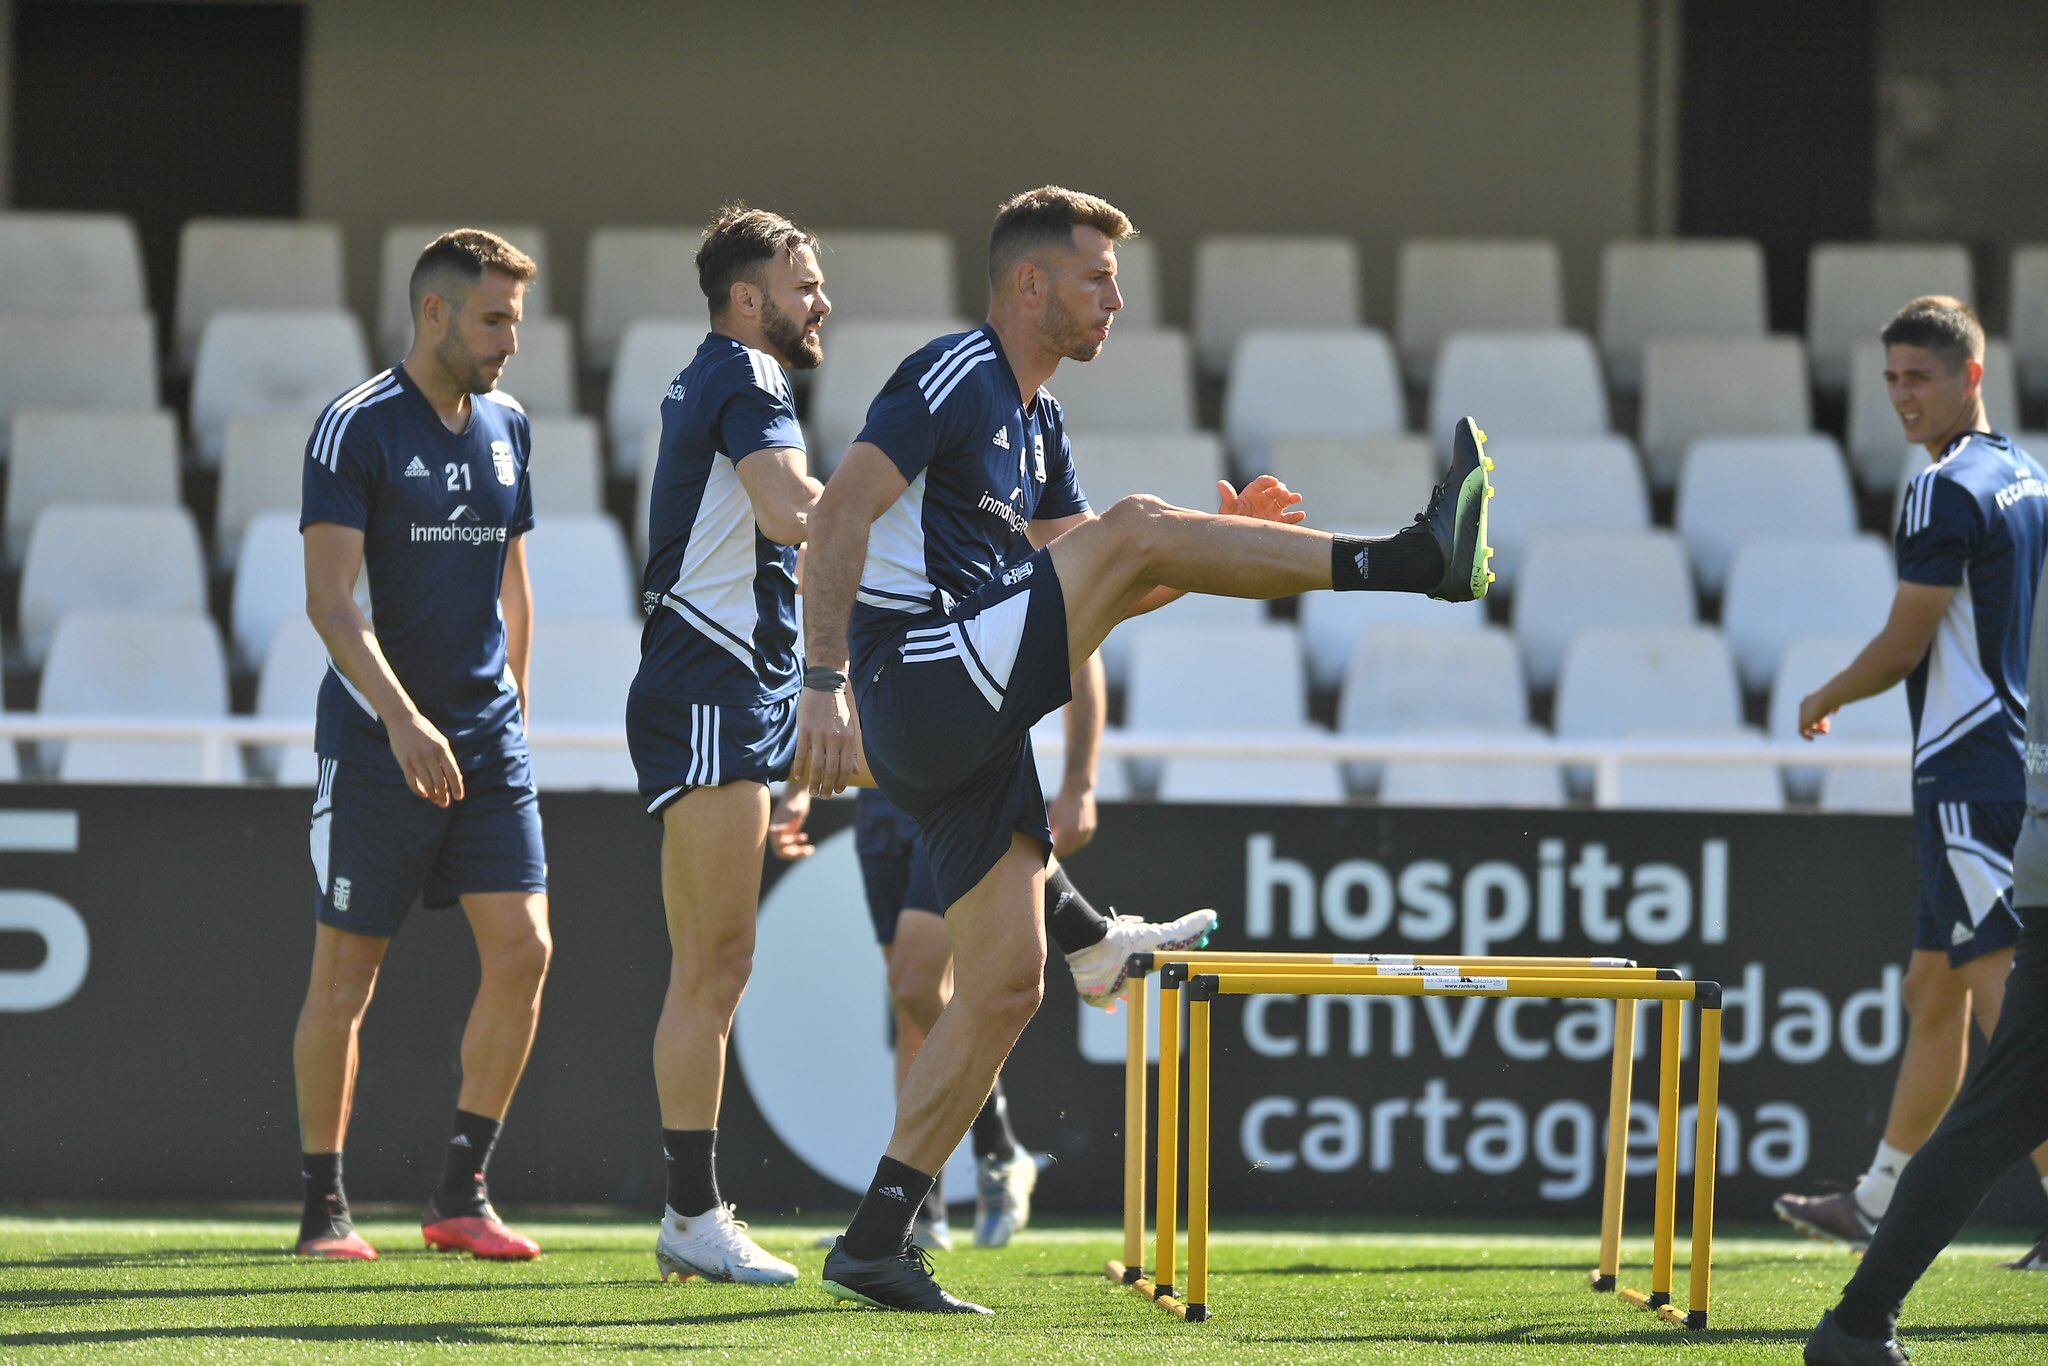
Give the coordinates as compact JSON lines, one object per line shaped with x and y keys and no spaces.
{"x":1945,"y":326}
{"x":460,"y":258}
{"x":1047,"y":217}
{"x":737,"y":243}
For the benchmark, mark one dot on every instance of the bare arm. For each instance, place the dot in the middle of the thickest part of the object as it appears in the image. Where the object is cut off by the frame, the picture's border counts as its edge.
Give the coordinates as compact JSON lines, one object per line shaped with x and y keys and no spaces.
{"x":334,"y":556}
{"x":1892,"y":653}
{"x":1072,"y":809}
{"x":782,"y":491}
{"x":862,"y":489}
{"x":515,"y":601}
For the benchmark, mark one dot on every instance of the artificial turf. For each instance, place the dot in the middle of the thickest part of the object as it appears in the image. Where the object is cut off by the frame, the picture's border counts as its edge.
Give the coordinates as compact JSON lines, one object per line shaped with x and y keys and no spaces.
{"x":204,"y":1287}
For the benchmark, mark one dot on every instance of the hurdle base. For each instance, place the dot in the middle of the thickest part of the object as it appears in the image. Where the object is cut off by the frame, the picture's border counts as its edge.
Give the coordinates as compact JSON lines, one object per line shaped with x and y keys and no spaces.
{"x":1181,"y":1309}
{"x":1602,"y":1285}
{"x":1658,"y":1302}
{"x":1123,"y":1275}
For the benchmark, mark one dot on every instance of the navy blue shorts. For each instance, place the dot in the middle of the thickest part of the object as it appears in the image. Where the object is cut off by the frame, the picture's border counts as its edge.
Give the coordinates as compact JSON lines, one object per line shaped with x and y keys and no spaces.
{"x":1966,"y":877}
{"x":679,"y":746}
{"x":946,"y":706}
{"x":894,"y":869}
{"x":379,"y":848}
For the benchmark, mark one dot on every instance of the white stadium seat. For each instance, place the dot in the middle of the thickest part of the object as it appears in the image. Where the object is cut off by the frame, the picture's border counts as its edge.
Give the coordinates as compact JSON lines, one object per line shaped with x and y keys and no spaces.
{"x":1190,"y":611}
{"x":859,"y":359}
{"x":1287,"y":382}
{"x":1808,"y":662}
{"x":1574,"y":582}
{"x":1142,"y":382}
{"x":1447,"y":285}
{"x":568,"y":468}
{"x":270,"y":583}
{"x":252,"y":263}
{"x":542,"y":375}
{"x":1250,"y":679}
{"x":262,"y":469}
{"x":1270,"y":281}
{"x":402,"y":245}
{"x":288,"y":689}
{"x":1738,"y":487}
{"x":1137,"y":279}
{"x":1049,"y":748}
{"x":1783,"y":587}
{"x":580,"y":570}
{"x":2030,"y":317}
{"x":1700,"y":787}
{"x":160,"y":665}
{"x":1875,"y":436}
{"x":1419,"y":782}
{"x":1887,"y":789}
{"x":1181,"y":467}
{"x":1240,"y":781}
{"x":1331,"y":624}
{"x":579,"y":675}
{"x":1719,"y":387}
{"x":70,"y":263}
{"x":107,"y":364}
{"x":1518,"y":384}
{"x":1362,"y":486}
{"x":635,"y":273}
{"x":887,"y":273}
{"x":107,"y":557}
{"x":1561,"y":484}
{"x":1430,"y":680}
{"x":653,"y":352}
{"x":1675,"y":288}
{"x":1854,"y":288}
{"x":87,"y":457}
{"x":271,"y":361}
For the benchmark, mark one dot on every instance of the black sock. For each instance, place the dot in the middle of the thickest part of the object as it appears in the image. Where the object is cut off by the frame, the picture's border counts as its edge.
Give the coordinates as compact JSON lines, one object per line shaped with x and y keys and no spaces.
{"x":1073,"y":924}
{"x":325,"y":1211}
{"x":461,"y":1192}
{"x":692,"y":1170}
{"x":934,"y":1209}
{"x":881,"y":1226}
{"x":993,"y":1136}
{"x":1406,"y":562}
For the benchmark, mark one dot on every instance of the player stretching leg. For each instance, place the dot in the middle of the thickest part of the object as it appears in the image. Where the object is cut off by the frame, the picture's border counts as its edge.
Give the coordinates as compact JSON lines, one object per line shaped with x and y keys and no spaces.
{"x":425,"y":792}
{"x":960,"y":613}
{"x":896,"y":875}
{"x":711,"y":715}
{"x":1970,"y":546}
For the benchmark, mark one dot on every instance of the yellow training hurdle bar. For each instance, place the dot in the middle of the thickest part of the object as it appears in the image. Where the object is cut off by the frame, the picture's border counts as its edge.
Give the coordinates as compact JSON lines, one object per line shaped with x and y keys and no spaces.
{"x":1207,"y":975}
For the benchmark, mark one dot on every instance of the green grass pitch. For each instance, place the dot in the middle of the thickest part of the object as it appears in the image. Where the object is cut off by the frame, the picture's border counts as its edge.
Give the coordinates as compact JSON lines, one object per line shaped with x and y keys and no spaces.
{"x":168,"y":1288}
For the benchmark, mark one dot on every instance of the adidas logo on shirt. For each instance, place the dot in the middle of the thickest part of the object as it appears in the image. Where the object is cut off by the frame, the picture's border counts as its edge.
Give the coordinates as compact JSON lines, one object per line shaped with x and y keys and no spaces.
{"x":417,"y":469}
{"x":1002,"y":438}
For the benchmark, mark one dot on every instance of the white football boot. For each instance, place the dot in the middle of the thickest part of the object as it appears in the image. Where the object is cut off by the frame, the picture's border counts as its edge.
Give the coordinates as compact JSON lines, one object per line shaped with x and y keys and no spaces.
{"x":1002,"y":1197}
{"x":1099,"y":969}
{"x":716,"y":1246}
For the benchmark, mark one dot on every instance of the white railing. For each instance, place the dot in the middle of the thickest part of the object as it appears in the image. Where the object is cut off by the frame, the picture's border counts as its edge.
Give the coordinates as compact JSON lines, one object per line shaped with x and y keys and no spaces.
{"x":218,"y":737}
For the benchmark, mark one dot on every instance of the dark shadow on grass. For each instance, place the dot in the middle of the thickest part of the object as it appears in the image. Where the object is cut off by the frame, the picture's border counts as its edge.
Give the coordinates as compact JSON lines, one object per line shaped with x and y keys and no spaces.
{"x":467,"y":1333}
{"x":59,"y":1298}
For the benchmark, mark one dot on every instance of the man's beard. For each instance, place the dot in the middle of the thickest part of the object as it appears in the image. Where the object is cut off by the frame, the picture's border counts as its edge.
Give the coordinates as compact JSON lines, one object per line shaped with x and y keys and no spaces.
{"x":798,"y":350}
{"x":1062,"y":332}
{"x":462,"y":367}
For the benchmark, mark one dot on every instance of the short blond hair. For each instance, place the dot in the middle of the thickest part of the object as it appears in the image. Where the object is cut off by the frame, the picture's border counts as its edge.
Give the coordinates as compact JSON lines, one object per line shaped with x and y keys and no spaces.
{"x":1047,"y":217}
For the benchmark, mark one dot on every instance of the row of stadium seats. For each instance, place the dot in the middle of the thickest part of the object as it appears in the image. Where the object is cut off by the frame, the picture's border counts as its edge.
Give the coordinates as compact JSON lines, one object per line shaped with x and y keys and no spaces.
{"x":1460,"y":680}
{"x":1648,"y":289}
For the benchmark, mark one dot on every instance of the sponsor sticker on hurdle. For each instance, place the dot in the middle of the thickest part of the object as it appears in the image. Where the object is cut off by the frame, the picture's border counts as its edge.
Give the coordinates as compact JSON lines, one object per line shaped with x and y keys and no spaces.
{"x":1433,"y":982}
{"x":1363,"y":960}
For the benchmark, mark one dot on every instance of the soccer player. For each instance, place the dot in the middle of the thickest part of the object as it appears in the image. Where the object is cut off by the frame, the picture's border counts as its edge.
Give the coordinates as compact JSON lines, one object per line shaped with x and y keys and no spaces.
{"x":957,"y":577}
{"x":425,"y":793}
{"x":1970,"y":546}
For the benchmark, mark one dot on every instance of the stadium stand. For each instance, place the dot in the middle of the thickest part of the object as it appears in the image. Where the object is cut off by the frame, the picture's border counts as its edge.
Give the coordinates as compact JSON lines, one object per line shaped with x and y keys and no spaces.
{"x":582,"y":669}
{"x":262,"y":468}
{"x":251,"y":263}
{"x":1332,"y":622}
{"x":1583,"y":483}
{"x":859,"y":358}
{"x":580,"y":570}
{"x":70,"y":263}
{"x":1143,"y":382}
{"x":635,"y":273}
{"x":116,"y":557}
{"x":104,"y":363}
{"x":1574,"y":582}
{"x":2029,"y":315}
{"x":1809,"y":661}
{"x":1182,"y":468}
{"x":400,"y":252}
{"x":568,"y":468}
{"x":1251,"y":674}
{"x":1853,"y":288}
{"x":542,"y":376}
{"x":653,"y":352}
{"x":271,"y":361}
{"x":1694,"y":388}
{"x":1888,"y":788}
{"x":1518,"y":384}
{"x":1242,"y":283}
{"x":286,"y":687}
{"x":1137,"y":279}
{"x":139,"y":664}
{"x":1686,"y":288}
{"x":72,"y":457}
{"x":1738,"y":487}
{"x":1194,"y":611}
{"x":882,"y":273}
{"x":270,"y":583}
{"x":1366,"y":486}
{"x":1049,"y":748}
{"x":1874,"y":436}
{"x":1844,"y":585}
{"x":1430,"y":680}
{"x":1291,"y":382}
{"x":1444,"y":286}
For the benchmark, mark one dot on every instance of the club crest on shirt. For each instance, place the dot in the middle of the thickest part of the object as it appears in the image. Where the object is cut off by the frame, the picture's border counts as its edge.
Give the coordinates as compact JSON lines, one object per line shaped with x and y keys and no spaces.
{"x":501,"y":461}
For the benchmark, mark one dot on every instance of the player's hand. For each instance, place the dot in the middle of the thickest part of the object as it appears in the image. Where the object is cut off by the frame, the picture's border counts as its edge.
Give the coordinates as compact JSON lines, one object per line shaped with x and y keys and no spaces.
{"x":827,"y":742}
{"x":426,"y":760}
{"x":1265,"y":498}
{"x":1813,"y":716}
{"x":786,"y":837}
{"x":1072,"y":814}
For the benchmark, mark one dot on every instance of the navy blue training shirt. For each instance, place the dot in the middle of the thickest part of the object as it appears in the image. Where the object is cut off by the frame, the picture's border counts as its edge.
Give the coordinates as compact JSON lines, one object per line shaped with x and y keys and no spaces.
{"x":982,"y":465}
{"x":1975,"y":520}
{"x":437,"y":511}
{"x":720,"y":596}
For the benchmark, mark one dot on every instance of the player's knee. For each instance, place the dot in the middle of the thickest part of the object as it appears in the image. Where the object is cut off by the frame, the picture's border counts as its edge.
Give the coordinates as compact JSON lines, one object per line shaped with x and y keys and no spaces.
{"x":916,"y":989}
{"x":1132,"y":517}
{"x":343,"y":995}
{"x":716,"y":973}
{"x":1007,"y":1002}
{"x":523,"y":961}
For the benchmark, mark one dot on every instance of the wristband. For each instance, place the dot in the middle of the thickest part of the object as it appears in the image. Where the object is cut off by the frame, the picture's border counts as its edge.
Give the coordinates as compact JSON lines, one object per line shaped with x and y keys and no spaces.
{"x":821,"y":679}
